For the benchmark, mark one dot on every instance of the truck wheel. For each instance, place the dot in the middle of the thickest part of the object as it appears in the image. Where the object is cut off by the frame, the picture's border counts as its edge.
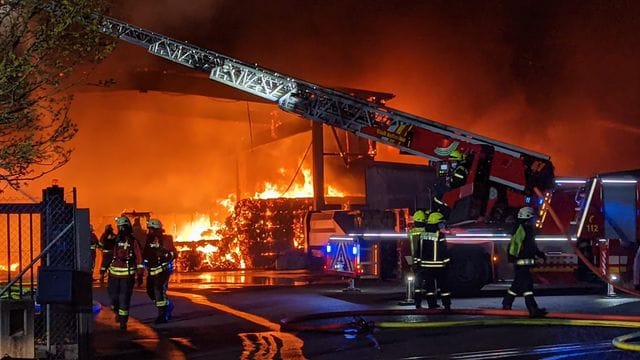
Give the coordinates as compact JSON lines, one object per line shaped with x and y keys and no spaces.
{"x":469,"y":270}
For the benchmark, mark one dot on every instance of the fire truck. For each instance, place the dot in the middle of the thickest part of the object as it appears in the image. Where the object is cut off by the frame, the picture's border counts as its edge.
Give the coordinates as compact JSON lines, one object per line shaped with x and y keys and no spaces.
{"x":483,"y":180}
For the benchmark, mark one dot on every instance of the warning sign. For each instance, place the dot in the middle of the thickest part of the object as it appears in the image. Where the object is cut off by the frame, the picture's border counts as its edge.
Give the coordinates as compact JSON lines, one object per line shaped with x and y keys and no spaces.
{"x":340,"y":260}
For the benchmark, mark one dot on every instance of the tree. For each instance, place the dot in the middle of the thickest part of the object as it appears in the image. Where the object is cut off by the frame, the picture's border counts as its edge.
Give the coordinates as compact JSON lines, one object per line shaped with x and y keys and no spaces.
{"x":45,"y":47}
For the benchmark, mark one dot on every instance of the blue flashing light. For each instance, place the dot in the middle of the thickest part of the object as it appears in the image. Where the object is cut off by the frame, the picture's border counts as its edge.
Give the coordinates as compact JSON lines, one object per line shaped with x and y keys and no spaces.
{"x":540,"y":201}
{"x":354,"y":250}
{"x":328,"y":248}
{"x":527,"y":200}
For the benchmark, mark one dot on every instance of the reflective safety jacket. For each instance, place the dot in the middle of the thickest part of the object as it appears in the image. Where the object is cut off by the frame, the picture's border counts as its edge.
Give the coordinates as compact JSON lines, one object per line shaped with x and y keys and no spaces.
{"x":522,"y":246}
{"x":94,"y":242}
{"x":431,"y":250}
{"x":127,"y":257}
{"x":158,"y":253}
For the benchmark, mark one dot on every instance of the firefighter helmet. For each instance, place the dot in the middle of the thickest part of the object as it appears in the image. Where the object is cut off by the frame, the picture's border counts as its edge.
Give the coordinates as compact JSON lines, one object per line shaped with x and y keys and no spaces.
{"x":419,"y":216}
{"x":435,"y":218}
{"x":122,"y":221}
{"x":456,"y":155}
{"x":526,"y":213}
{"x":154,"y":224}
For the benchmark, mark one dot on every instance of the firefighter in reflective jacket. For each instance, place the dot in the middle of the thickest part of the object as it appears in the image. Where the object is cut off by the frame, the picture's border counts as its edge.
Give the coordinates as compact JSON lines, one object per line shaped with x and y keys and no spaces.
{"x":105,"y":244}
{"x":460,"y":171}
{"x":158,"y":255}
{"x":522,"y":253}
{"x":126,"y":269}
{"x":430,"y":261}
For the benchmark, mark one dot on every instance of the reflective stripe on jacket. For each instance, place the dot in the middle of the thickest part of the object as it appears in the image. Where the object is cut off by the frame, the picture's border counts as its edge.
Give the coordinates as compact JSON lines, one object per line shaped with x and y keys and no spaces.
{"x":432,"y":251}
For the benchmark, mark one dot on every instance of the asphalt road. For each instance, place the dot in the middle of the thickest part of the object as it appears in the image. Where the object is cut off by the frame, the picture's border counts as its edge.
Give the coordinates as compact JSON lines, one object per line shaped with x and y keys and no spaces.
{"x":241,"y":320}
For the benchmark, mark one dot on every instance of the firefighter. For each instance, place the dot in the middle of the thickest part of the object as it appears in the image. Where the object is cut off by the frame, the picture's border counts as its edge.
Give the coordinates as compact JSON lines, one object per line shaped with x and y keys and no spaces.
{"x":105,"y":244}
{"x":460,"y":170}
{"x":126,"y":269}
{"x":158,"y":254}
{"x":93,"y":245}
{"x":522,"y":253}
{"x":430,"y":261}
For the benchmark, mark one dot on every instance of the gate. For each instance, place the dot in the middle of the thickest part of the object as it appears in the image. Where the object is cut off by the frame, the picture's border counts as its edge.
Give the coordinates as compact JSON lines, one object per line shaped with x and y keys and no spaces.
{"x":40,"y":263}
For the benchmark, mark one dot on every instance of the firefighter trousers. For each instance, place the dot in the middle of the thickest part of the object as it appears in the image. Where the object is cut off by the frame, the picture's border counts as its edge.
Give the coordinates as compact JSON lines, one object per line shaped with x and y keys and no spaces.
{"x":429,"y":283}
{"x":522,"y":285}
{"x":120,"y":290}
{"x":157,"y":288}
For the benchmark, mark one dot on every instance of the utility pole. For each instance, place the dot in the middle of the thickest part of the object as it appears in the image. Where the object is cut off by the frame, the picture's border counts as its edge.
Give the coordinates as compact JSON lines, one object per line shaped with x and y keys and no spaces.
{"x":318,"y":165}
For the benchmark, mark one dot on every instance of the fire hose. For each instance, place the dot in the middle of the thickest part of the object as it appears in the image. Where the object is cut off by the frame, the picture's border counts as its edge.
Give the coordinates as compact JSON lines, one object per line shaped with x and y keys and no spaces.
{"x":517,"y":317}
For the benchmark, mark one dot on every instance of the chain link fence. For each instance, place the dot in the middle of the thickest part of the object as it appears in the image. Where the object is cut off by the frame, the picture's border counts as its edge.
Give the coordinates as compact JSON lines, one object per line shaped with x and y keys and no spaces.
{"x":40,"y":235}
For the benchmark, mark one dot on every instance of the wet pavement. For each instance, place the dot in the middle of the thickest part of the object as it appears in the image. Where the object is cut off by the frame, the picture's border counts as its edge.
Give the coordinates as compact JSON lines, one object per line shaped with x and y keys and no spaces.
{"x":237,"y":316}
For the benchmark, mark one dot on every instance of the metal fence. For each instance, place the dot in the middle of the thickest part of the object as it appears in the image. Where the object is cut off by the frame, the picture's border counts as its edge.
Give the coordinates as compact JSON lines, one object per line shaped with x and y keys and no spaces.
{"x":41,"y":236}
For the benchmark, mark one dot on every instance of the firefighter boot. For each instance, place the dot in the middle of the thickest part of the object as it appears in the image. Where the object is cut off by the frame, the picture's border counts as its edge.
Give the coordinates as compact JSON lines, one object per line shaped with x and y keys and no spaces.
{"x":115,"y":311}
{"x":170,"y":308}
{"x":507,"y":301}
{"x":432,"y":302}
{"x":532,"y":306}
{"x":418,"y":299}
{"x":162,"y":315}
{"x":446,"y":302}
{"x":123,"y":322}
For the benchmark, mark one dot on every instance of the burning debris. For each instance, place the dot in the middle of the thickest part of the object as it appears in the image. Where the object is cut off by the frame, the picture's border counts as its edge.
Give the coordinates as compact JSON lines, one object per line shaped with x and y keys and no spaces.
{"x":251,"y":237}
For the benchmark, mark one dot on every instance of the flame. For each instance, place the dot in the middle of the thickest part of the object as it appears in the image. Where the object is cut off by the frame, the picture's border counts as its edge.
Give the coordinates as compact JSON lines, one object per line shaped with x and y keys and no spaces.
{"x":273,"y":191}
{"x":203,"y":228}
{"x":200,"y":228}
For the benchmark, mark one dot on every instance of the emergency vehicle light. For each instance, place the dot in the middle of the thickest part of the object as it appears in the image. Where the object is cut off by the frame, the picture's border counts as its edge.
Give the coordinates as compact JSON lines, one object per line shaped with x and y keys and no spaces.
{"x":354,"y":250}
{"x":618,"y":181}
{"x":389,"y":235}
{"x":343,"y":238}
{"x":481,"y":235}
{"x":570,"y":181}
{"x":328,"y":248}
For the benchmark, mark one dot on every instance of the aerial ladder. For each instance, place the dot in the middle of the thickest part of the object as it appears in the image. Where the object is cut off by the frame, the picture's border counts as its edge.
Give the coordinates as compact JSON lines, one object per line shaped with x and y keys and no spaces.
{"x":499,"y":176}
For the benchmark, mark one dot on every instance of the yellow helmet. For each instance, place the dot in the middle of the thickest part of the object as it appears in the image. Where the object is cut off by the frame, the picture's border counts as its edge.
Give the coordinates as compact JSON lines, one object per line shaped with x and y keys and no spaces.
{"x":456,"y":155}
{"x":419,"y":216}
{"x":435,"y":218}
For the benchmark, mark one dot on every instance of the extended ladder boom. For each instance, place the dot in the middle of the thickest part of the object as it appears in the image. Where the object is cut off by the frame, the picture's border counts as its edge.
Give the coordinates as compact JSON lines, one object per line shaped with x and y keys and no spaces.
{"x":311,"y":101}
{"x":494,"y":168}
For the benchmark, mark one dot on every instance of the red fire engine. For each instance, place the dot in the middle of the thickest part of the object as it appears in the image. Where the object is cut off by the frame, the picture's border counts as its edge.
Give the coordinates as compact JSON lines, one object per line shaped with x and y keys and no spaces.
{"x":484,"y":180}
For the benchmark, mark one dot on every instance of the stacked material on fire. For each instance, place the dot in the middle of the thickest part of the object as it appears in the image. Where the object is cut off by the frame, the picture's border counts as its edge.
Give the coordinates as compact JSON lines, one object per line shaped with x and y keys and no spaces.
{"x":253,"y":236}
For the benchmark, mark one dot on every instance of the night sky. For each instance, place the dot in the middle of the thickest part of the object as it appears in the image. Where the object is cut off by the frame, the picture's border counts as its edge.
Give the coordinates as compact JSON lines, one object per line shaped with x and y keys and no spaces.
{"x":558,"y":77}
